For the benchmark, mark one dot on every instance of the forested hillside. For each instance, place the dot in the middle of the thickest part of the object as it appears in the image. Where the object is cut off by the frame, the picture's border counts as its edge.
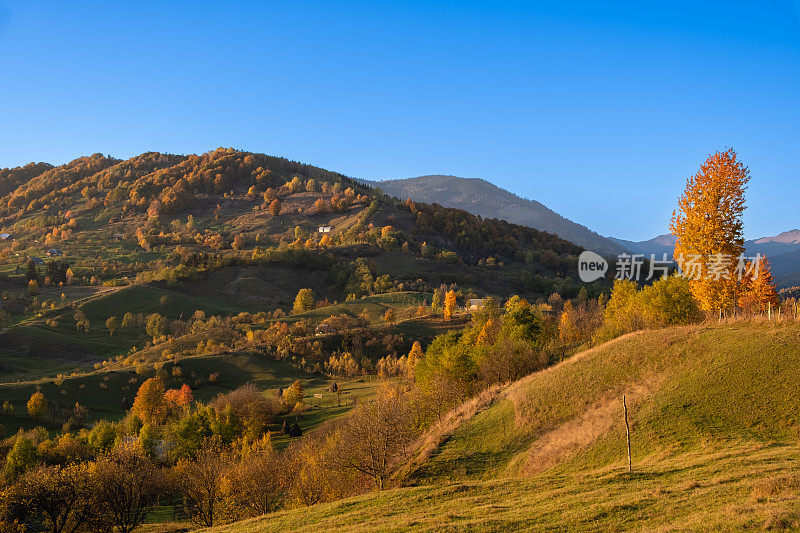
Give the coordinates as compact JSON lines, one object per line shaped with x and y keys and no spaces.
{"x":114,"y":219}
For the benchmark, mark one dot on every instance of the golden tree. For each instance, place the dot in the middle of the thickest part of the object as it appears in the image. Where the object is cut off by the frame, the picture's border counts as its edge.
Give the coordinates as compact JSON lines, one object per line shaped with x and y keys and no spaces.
{"x":275,"y":207}
{"x":294,"y":394}
{"x":376,"y":435}
{"x":758,"y":288}
{"x":320,"y":205}
{"x":304,"y":301}
{"x":449,"y":304}
{"x":568,"y":323}
{"x":37,"y":405}
{"x":415,"y":354}
{"x":764,"y":286}
{"x":708,"y":227}
{"x":202,"y":481}
{"x":150,"y":404}
{"x":487,"y":333}
{"x":257,"y":482}
{"x":62,"y":498}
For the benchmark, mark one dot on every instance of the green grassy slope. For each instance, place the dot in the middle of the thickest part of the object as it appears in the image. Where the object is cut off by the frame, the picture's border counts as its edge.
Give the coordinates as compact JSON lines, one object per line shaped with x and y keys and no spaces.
{"x":738,"y":488}
{"x":34,"y":349}
{"x":152,"y":299}
{"x":714,"y":424}
{"x":685,"y":387}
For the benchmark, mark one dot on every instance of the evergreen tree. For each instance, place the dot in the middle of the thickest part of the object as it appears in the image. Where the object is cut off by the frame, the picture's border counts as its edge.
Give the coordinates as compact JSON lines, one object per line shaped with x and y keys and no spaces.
{"x":31,"y":273}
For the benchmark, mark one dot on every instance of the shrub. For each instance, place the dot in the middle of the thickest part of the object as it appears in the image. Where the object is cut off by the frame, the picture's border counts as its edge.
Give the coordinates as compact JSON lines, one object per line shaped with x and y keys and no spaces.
{"x":254,"y":410}
{"x":293,"y":394}
{"x":666,"y":302}
{"x":304,"y":301}
{"x":37,"y":406}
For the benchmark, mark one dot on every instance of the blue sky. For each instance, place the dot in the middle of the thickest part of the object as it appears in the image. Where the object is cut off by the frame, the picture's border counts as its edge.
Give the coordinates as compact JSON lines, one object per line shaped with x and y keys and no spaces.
{"x":599,"y":111}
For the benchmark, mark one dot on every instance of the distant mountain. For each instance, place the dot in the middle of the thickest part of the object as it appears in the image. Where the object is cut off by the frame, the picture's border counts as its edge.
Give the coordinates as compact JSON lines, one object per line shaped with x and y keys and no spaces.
{"x":783,"y":251}
{"x":786,"y":268}
{"x":482,"y":198}
{"x":786,"y":242}
{"x":787,"y":237}
{"x":663,"y":244}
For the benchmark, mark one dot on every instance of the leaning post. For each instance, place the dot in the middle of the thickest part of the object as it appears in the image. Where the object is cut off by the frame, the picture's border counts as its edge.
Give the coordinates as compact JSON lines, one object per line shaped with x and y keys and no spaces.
{"x":627,"y":433}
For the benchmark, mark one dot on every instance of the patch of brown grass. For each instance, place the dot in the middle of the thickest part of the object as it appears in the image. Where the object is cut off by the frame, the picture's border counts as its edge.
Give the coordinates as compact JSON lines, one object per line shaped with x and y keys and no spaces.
{"x":784,"y":520}
{"x":580,"y":432}
{"x":768,"y":489}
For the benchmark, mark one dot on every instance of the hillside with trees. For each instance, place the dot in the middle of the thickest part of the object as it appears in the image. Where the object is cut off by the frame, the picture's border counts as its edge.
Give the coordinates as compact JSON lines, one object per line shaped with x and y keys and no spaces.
{"x":113,"y":220}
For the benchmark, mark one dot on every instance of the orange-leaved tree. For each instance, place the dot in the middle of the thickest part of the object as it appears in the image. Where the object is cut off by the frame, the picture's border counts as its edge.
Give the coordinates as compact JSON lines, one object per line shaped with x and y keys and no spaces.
{"x":758,"y":288}
{"x":177,"y":399}
{"x":709,"y":230}
{"x":275,"y":207}
{"x":37,"y":405}
{"x":449,"y":304}
{"x":415,"y":354}
{"x":150,"y":405}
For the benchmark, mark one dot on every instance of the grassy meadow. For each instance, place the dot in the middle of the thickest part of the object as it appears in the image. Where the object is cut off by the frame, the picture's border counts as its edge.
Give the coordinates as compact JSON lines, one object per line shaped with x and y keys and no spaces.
{"x":715,"y":445}
{"x":739,"y":486}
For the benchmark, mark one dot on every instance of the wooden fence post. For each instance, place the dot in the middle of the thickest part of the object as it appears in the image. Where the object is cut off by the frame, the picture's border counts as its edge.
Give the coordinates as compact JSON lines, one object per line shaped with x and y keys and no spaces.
{"x":627,"y":433}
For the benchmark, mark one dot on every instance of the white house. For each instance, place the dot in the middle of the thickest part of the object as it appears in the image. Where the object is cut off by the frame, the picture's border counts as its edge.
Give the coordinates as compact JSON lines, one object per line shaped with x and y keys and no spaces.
{"x":475,"y":303}
{"x":4,"y":236}
{"x":324,"y":229}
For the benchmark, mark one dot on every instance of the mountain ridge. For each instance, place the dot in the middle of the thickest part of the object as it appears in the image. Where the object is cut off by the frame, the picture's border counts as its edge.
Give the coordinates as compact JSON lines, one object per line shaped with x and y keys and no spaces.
{"x":483,"y":198}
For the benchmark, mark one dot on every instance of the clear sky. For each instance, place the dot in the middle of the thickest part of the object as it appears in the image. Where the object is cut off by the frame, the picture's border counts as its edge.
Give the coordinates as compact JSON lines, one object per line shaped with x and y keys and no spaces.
{"x":600,"y":110}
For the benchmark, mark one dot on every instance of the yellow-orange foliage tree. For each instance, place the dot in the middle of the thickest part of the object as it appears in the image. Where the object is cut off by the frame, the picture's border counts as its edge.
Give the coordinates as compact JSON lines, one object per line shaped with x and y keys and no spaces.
{"x":37,"y":405}
{"x":487,"y":333}
{"x":275,"y":207}
{"x":150,"y":405}
{"x":708,"y":226}
{"x":415,"y":354}
{"x":449,"y":304}
{"x":758,"y":288}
